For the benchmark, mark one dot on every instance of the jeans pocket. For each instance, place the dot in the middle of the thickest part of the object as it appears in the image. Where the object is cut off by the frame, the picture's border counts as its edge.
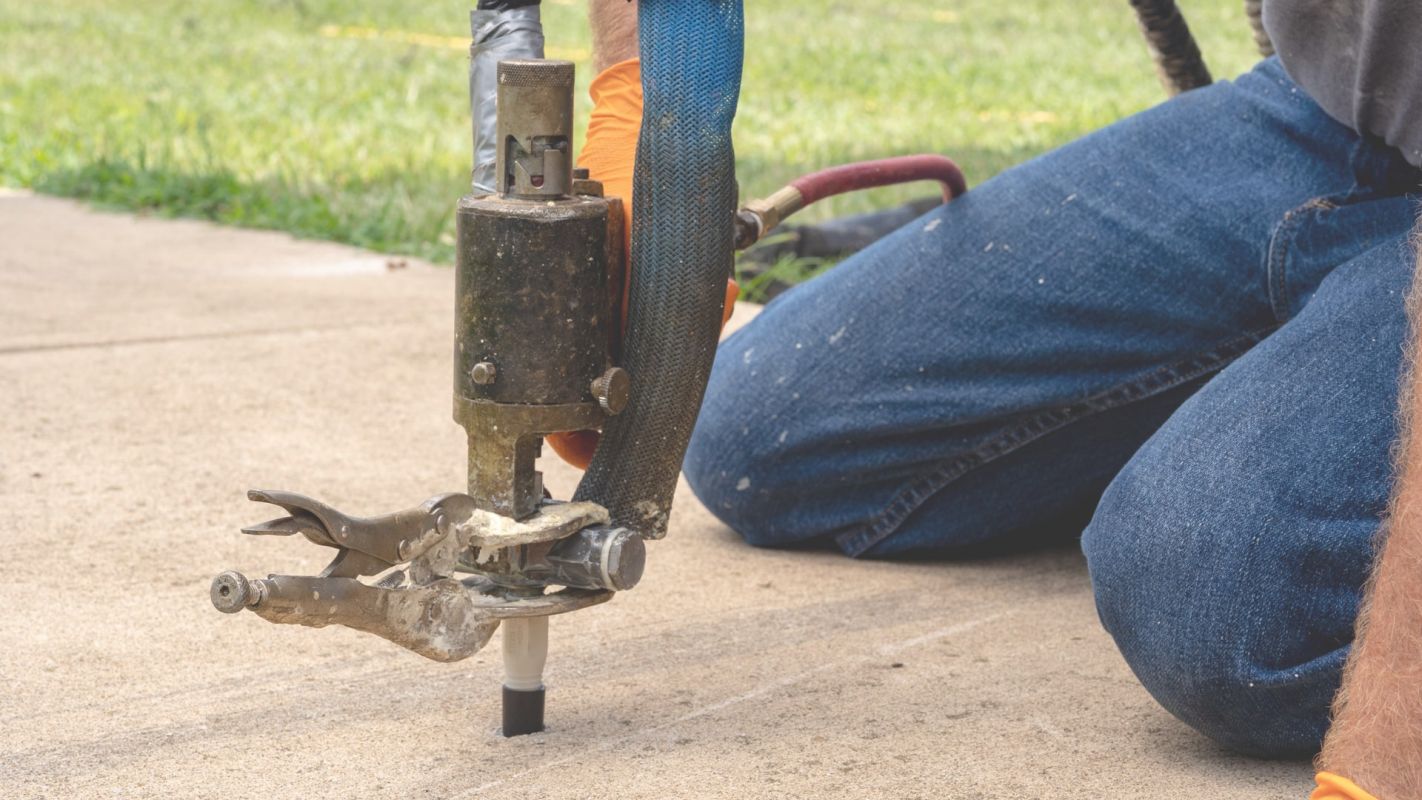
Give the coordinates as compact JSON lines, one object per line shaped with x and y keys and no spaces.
{"x":1313,"y":239}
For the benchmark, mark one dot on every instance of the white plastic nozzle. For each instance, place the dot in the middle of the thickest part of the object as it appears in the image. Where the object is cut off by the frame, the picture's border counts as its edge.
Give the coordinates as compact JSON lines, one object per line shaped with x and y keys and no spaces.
{"x":525,"y":652}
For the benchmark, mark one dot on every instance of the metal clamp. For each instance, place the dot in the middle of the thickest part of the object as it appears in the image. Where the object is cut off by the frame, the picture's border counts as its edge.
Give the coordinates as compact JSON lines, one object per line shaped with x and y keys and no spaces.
{"x":414,"y":600}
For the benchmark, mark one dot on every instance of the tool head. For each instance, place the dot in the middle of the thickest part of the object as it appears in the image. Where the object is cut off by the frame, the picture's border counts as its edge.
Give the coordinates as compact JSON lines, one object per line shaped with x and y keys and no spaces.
{"x":523,"y":712}
{"x":534,"y":129}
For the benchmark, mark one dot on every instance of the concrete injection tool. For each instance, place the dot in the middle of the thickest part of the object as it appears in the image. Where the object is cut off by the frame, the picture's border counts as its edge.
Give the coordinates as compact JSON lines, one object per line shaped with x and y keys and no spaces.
{"x":539,"y":349}
{"x":537,"y":290}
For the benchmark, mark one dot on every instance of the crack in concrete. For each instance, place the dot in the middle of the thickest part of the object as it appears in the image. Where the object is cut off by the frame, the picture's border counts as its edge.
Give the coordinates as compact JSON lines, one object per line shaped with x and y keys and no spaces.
{"x":140,"y":341}
{"x":759,"y":691}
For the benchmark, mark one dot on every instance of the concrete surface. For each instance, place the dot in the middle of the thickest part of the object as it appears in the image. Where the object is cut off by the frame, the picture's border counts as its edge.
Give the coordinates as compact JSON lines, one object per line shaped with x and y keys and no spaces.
{"x":153,"y":370}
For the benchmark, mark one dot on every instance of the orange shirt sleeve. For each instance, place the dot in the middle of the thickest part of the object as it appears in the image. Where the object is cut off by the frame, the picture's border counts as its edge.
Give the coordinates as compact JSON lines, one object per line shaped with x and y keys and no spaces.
{"x":610,"y":152}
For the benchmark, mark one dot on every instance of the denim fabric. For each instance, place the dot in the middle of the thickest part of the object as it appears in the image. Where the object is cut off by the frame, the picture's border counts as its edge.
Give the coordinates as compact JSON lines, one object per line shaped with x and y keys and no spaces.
{"x":1185,"y":330}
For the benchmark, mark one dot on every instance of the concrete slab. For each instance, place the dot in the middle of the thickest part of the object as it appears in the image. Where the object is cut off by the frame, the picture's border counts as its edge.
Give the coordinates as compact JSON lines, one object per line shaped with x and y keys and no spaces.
{"x":153,"y":370}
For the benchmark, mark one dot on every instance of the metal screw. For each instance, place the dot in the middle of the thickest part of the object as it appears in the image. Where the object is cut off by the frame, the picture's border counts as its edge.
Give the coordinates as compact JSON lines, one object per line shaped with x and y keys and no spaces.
{"x":231,"y":592}
{"x":483,"y":373}
{"x":613,"y":389}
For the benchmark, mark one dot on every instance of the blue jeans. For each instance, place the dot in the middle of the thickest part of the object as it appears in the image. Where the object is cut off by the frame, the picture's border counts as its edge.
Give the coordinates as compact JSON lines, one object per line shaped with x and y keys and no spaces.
{"x":1183,"y":333}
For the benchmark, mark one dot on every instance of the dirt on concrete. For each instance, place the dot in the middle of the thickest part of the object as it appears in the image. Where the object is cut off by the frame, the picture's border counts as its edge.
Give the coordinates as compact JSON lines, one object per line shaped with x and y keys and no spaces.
{"x":151,"y":371}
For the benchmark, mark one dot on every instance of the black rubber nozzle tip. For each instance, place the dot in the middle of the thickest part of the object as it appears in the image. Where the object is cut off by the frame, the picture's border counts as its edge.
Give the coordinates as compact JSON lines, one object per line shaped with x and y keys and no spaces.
{"x":523,"y":712}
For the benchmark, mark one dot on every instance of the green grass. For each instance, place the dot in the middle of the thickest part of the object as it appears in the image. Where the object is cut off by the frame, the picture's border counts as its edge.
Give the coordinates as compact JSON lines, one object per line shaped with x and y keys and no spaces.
{"x":347,"y":119}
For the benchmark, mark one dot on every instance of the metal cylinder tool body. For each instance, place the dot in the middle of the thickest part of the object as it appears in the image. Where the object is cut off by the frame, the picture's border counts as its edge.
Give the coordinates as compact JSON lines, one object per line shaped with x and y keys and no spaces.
{"x":538,"y":282}
{"x":532,"y":335}
{"x":537,"y":288}
{"x":533,"y":298}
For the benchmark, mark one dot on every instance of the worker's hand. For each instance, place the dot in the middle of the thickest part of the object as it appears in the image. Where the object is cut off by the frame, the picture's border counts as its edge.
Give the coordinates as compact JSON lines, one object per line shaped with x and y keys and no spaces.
{"x":1334,"y":787}
{"x":609,"y":155}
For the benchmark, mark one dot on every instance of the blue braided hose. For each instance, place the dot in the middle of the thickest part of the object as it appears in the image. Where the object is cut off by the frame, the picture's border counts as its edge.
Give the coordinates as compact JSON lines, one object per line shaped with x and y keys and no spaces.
{"x":684,"y":201}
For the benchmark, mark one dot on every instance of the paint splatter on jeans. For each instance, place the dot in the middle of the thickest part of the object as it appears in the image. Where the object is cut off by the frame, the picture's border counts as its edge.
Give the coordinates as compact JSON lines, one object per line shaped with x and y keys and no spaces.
{"x":1181,"y":334}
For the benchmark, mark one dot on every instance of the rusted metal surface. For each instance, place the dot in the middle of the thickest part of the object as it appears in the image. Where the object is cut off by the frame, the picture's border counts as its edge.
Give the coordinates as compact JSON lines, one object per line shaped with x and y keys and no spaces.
{"x":504,"y":442}
{"x":533,"y":298}
{"x":536,"y":316}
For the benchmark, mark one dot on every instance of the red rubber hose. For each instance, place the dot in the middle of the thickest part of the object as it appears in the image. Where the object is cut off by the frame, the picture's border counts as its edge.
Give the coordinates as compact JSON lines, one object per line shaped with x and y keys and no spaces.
{"x":883,"y":172}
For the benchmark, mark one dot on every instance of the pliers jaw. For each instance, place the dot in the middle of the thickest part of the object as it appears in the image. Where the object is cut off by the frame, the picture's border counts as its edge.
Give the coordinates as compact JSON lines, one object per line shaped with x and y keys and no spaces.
{"x":384,"y":541}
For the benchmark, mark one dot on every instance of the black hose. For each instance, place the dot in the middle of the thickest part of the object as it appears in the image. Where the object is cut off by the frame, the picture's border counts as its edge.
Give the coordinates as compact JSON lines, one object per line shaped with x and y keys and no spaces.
{"x":1254,"y":9}
{"x":1177,"y":57}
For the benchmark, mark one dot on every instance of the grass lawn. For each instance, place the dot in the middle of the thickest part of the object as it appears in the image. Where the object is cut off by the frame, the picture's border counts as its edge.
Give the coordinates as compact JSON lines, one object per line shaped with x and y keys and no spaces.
{"x":348,"y":119}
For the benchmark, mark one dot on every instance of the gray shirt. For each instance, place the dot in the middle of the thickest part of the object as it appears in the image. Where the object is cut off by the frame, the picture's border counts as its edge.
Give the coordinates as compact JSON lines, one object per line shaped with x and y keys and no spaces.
{"x":1360,"y":59}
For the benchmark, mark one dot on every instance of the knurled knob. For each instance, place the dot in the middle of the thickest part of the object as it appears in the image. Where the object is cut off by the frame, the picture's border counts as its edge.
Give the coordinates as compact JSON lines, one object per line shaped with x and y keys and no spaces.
{"x":613,"y":389}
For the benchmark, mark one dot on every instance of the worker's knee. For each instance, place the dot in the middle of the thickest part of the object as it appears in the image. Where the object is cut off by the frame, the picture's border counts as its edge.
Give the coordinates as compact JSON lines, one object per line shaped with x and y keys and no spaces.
{"x":735,"y":463}
{"x":715,"y":464}
{"x":1196,"y":617}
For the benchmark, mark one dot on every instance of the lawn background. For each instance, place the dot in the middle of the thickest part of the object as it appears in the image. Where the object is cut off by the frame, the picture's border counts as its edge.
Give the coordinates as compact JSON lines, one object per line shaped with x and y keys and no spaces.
{"x":348,"y":120}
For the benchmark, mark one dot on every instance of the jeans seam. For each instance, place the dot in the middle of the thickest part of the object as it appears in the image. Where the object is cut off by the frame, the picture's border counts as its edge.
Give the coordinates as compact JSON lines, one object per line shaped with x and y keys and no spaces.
{"x":918,"y":491}
{"x":1281,"y":240}
{"x":1277,"y":261}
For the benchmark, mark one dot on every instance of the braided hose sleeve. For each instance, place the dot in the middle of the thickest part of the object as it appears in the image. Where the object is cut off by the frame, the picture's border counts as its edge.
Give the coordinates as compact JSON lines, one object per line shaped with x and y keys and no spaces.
{"x":684,"y":198}
{"x":1177,"y":58}
{"x":1254,"y":9}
